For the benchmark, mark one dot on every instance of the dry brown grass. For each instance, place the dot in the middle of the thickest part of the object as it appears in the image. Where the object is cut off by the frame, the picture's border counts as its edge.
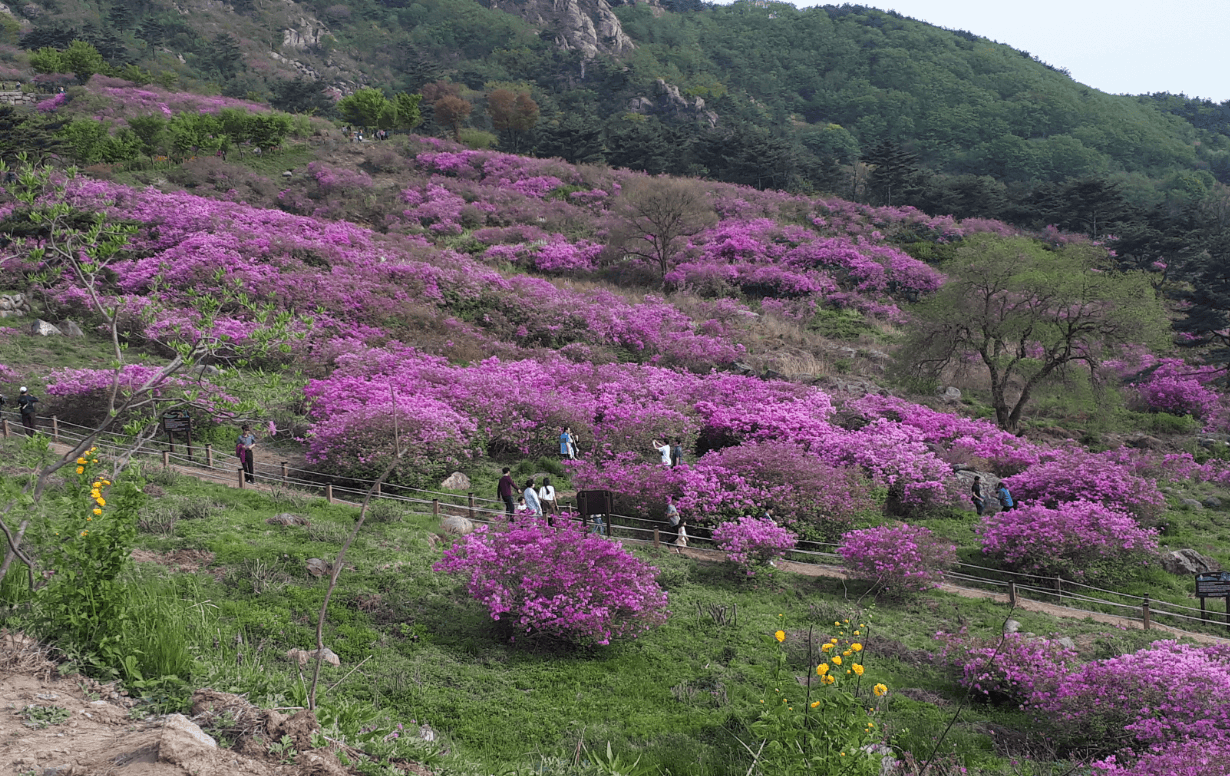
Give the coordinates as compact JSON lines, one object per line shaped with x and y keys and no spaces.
{"x":21,"y":654}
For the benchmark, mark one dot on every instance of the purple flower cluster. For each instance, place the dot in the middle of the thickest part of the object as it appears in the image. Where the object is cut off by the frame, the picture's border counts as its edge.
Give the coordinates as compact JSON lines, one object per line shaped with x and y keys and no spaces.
{"x":559,"y":582}
{"x":902,"y":559}
{"x":1079,"y":538}
{"x":1013,"y":671}
{"x":1182,"y":758}
{"x":1075,"y":474}
{"x":753,"y":542}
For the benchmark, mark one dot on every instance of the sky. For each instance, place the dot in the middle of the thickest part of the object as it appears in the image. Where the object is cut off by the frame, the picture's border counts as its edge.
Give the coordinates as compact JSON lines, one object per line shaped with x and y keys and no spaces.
{"x":1117,"y":46}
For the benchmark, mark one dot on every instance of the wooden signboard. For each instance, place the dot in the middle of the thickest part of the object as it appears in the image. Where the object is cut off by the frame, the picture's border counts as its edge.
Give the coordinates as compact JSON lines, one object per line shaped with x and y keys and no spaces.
{"x":1215,"y":584}
{"x":178,"y":422}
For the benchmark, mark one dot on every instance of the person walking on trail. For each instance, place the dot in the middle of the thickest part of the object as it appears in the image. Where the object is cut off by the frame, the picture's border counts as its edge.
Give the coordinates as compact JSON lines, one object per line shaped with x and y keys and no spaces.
{"x":677,"y":452}
{"x":25,"y":405}
{"x":566,"y":448}
{"x":244,"y":449}
{"x":681,"y":536}
{"x":975,"y":495}
{"x":1005,"y":498}
{"x":664,"y":450}
{"x":505,"y":490}
{"x":531,"y":497}
{"x":546,"y":497}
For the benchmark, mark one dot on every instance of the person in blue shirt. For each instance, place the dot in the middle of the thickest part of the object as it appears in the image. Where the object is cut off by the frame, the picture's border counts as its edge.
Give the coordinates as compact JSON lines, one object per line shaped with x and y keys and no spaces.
{"x":567,"y":448}
{"x":1005,"y":498}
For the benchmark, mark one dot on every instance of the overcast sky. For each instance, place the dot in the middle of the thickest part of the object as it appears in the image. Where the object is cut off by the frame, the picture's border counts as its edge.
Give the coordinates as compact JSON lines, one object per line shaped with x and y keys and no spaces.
{"x":1117,"y":46}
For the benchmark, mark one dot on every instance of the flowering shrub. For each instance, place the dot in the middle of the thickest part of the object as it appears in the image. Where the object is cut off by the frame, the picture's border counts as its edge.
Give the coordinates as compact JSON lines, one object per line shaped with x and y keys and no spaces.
{"x":1167,"y":692}
{"x":1079,"y":539}
{"x":902,"y":559}
{"x":751,"y":542}
{"x":1181,"y":758}
{"x":559,"y":582}
{"x":1012,"y":671}
{"x":8,"y":374}
{"x":1074,"y":474}
{"x":82,"y":394}
{"x":1170,"y":390}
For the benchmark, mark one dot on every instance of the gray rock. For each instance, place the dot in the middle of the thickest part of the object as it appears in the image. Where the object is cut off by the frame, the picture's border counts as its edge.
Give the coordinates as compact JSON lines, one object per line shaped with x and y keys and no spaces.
{"x":43,"y":329}
{"x":1192,"y":503}
{"x":951,"y":395}
{"x":458,"y":526}
{"x":456,"y":481}
{"x":302,"y":656}
{"x":1066,"y":643}
{"x":1011,"y":626}
{"x":1143,"y":442}
{"x":56,"y":770}
{"x":204,"y":370}
{"x":71,"y":329}
{"x":1212,"y":502}
{"x":317,"y":567}
{"x":1185,"y":562}
{"x":286,"y":518}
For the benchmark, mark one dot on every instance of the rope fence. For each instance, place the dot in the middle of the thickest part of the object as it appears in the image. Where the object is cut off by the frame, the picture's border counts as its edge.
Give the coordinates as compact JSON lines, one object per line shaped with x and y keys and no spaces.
{"x":625,"y":528}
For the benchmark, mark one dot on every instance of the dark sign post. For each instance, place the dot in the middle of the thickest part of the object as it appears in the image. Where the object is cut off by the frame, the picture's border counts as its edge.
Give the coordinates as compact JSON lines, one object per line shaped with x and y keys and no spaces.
{"x":595,"y":503}
{"x":1215,"y":584}
{"x":178,"y":422}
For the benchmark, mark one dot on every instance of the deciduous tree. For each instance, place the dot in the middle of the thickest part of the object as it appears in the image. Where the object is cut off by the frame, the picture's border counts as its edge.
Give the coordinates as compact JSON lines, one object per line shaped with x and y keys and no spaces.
{"x":656,"y":214}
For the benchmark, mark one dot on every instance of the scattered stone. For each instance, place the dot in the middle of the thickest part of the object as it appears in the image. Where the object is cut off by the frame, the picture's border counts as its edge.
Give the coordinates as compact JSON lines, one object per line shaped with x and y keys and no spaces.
{"x":426,"y":733}
{"x":204,"y":370}
{"x":41,"y":328}
{"x":318,"y":568}
{"x":1066,"y":642}
{"x":1212,"y":502}
{"x":458,"y":526}
{"x":1143,"y":442}
{"x":302,"y":656}
{"x":1192,"y":503}
{"x":1186,"y":562}
{"x":456,"y":481}
{"x":181,"y":741}
{"x":951,"y":395}
{"x":1011,"y":626}
{"x":287,"y":518}
{"x":58,"y":770}
{"x":71,"y":329}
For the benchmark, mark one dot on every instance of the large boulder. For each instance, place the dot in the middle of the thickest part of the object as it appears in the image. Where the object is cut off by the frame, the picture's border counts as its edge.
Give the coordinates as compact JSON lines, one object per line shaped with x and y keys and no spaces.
{"x":458,"y":526}
{"x":71,"y":329}
{"x":456,"y":481}
{"x":950,"y":395}
{"x":1186,"y":562}
{"x":41,"y":328}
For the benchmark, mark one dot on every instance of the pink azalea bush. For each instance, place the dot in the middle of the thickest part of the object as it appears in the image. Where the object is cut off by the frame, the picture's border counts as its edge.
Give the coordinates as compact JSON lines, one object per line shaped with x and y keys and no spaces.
{"x":80,"y":395}
{"x":1013,"y":671}
{"x":1163,"y":694}
{"x":1079,"y":539}
{"x":558,"y":582}
{"x":8,"y":374}
{"x":753,"y":542}
{"x":1198,"y":757}
{"x":901,"y":559}
{"x":1075,"y":474}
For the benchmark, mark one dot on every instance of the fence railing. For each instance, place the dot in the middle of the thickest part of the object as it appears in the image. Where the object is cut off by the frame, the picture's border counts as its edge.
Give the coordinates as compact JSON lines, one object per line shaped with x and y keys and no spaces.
{"x":626,"y":528}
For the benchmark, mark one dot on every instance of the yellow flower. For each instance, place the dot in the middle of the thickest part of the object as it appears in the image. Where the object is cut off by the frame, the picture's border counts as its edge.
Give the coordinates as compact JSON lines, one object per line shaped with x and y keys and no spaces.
{"x":837,"y":623}
{"x":96,"y":485}
{"x":847,"y":653}
{"x":858,"y":669}
{"x":829,"y":680}
{"x":80,"y":470}
{"x":83,"y":533}
{"x":855,"y":633}
{"x":780,"y":635}
{"x":832,"y":641}
{"x":856,"y":647}
{"x":880,"y":690}
{"x":826,"y":647}
{"x":822,"y":669}
{"x":814,"y":704}
{"x":102,"y":502}
{"x":81,"y":462}
{"x":836,"y":660}
{"x":106,"y":482}
{"x":870,"y":725}
{"x":97,"y":511}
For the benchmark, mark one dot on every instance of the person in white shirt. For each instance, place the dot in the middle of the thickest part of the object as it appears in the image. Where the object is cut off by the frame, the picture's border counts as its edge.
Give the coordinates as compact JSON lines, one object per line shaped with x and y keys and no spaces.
{"x":531,"y":497}
{"x":664,"y":450}
{"x":546,"y":497}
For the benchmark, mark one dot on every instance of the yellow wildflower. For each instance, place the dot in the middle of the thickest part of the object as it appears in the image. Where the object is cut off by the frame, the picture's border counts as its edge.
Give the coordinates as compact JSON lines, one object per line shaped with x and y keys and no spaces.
{"x":814,"y":704}
{"x":829,"y":679}
{"x":80,"y":470}
{"x":837,"y":623}
{"x":832,"y":641}
{"x":847,"y":653}
{"x":780,"y":635}
{"x":97,"y":511}
{"x":858,"y":669}
{"x":102,"y":502}
{"x":826,"y":647}
{"x":83,"y":533}
{"x":836,"y":660}
{"x":880,"y":690}
{"x":81,"y":462}
{"x":822,"y":669}
{"x":855,"y":633}
{"x":856,"y":647}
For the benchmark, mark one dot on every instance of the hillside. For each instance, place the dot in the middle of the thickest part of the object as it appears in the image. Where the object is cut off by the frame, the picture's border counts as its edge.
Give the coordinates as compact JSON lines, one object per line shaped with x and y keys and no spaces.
{"x":393,"y":311}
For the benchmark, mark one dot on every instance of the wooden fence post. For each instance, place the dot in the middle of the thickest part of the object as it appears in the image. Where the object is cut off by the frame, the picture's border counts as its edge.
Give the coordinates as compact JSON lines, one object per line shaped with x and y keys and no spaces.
{"x":655,"y":538}
{"x":242,"y":479}
{"x":329,"y":493}
{"x":1012,"y":593}
{"x":55,"y":428}
{"x":166,"y":459}
{"x":1144,"y":610}
{"x":471,"y":497}
{"x":209,"y":456}
{"x":6,"y":428}
{"x":377,"y":489}
{"x":284,"y":472}
{"x":435,"y":508}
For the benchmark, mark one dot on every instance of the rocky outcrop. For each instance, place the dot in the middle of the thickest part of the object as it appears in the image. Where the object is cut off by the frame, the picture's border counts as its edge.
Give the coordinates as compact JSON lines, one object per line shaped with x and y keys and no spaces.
{"x":587,"y":26}
{"x":14,"y":305}
{"x":306,"y":33}
{"x":667,"y":100}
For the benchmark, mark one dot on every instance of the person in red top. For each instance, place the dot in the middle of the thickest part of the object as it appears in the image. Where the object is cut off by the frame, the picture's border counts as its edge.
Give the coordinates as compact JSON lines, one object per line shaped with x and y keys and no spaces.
{"x":505,"y":490}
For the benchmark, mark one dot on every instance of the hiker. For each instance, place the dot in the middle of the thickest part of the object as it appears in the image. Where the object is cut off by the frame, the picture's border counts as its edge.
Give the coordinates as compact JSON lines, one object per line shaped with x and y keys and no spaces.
{"x":531,"y":497}
{"x":975,"y":495}
{"x":677,"y":452}
{"x":505,"y":490}
{"x":546,"y":497}
{"x":681,"y":536}
{"x":25,"y":405}
{"x":664,"y":450}
{"x":1005,"y":498}
{"x":567,"y":446}
{"x":247,"y":457}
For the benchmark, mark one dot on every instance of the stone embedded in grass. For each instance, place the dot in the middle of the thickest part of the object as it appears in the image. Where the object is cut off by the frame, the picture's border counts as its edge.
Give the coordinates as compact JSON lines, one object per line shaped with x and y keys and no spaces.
{"x":302,"y":656}
{"x":317,"y":567}
{"x":456,"y":481}
{"x":458,"y":526}
{"x":286,"y":518}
